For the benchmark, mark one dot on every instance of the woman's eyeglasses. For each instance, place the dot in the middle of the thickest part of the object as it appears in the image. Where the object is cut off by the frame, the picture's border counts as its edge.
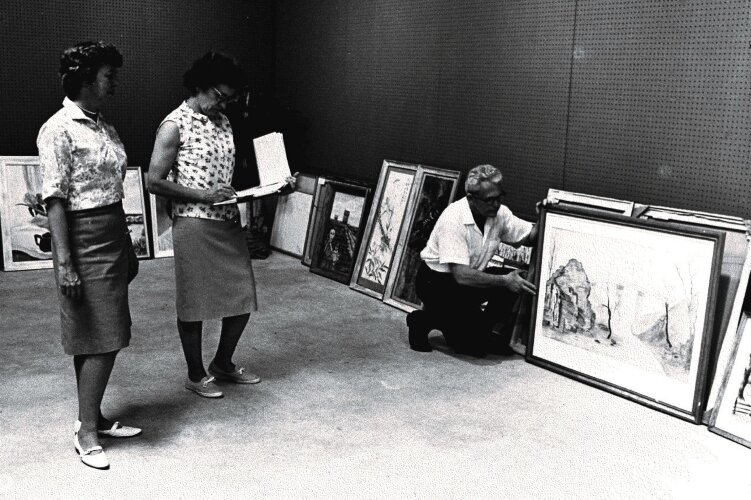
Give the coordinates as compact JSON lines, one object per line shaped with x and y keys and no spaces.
{"x":224,"y":98}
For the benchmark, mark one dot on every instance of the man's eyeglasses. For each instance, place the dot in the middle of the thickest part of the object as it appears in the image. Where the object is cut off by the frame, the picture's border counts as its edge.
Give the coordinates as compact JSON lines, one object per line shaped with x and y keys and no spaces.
{"x":490,"y":200}
{"x":222,"y":97}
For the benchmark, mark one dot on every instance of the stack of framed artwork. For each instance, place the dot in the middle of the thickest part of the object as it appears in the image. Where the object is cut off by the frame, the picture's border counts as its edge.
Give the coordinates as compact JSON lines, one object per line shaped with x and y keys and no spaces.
{"x":407,"y":202}
{"x":620,"y":309}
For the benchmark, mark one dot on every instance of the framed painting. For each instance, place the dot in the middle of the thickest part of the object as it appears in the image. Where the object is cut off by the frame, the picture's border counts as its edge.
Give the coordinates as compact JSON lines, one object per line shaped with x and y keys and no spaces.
{"x":337,"y":228}
{"x":26,"y":239}
{"x":434,"y":190}
{"x":134,"y":206}
{"x":292,"y":217}
{"x":307,"y":253}
{"x":731,"y":290}
{"x":626,"y":305}
{"x":392,"y":196}
{"x":732,"y":416}
{"x":161,"y":226}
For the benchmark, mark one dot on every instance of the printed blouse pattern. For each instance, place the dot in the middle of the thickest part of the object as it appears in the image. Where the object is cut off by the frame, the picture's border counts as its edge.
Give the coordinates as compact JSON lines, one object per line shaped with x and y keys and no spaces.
{"x":83,"y":161}
{"x":205,"y":159}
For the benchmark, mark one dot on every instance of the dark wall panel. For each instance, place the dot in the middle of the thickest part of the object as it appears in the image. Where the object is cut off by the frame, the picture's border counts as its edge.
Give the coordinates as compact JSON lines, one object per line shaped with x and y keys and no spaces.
{"x":447,"y":84}
{"x":661,"y":103}
{"x":158,"y":40}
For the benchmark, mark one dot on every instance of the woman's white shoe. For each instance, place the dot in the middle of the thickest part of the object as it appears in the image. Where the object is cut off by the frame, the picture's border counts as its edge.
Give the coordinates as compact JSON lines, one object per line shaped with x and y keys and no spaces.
{"x":120,"y":431}
{"x":94,"y":456}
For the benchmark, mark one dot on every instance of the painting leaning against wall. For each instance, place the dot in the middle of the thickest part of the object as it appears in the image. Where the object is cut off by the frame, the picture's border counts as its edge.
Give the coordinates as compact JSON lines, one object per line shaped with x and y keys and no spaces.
{"x":618,"y":304}
{"x":26,"y":239}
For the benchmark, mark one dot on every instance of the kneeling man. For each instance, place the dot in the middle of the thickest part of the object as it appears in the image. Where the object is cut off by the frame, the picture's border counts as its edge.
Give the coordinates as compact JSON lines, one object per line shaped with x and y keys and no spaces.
{"x":452,"y":282}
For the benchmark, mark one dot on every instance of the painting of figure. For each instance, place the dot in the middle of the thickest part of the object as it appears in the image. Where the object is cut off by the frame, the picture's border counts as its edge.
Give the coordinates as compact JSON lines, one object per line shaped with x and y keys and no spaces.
{"x":625,"y":304}
{"x":23,"y":215}
{"x":337,"y":229}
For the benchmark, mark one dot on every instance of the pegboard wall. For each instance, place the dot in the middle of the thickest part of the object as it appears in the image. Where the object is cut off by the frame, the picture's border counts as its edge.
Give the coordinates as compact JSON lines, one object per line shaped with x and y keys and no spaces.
{"x":158,"y":40}
{"x":442,"y":83}
{"x":661,"y":103}
{"x":644,"y":100}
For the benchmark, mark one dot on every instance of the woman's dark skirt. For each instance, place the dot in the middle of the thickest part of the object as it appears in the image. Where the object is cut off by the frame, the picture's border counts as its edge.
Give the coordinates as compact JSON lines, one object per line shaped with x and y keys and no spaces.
{"x":99,"y":322}
{"x":213,"y":272}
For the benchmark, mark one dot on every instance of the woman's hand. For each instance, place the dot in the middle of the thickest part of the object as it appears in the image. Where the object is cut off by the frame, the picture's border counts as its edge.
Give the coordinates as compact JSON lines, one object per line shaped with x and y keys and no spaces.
{"x":220,"y":193}
{"x":69,"y":281}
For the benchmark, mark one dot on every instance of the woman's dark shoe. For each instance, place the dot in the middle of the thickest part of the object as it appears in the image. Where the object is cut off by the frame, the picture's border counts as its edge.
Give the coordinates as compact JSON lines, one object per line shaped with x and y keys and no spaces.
{"x":418,"y":332}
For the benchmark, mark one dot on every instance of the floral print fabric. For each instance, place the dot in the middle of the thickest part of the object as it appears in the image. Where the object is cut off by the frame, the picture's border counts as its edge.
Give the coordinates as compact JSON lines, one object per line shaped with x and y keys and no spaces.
{"x":205,"y":159}
{"x":83,"y":161}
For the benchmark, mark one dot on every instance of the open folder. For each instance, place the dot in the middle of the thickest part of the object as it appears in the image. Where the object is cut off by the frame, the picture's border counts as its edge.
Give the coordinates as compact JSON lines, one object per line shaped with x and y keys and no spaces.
{"x":273,"y":168}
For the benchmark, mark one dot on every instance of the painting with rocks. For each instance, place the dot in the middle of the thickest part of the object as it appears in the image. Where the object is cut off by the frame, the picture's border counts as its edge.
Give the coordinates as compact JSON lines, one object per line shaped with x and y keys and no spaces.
{"x":626,"y":305}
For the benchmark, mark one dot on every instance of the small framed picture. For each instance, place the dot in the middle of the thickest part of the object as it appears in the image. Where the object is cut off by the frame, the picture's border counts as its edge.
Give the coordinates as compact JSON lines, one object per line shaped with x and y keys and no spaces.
{"x":134,"y":206}
{"x":161,"y":226}
{"x":26,"y":238}
{"x":337,"y":227}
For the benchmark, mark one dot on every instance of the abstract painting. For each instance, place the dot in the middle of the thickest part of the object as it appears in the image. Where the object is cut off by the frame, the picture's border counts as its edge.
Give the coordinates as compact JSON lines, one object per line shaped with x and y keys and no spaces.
{"x":627,"y":305}
{"x":134,"y":206}
{"x":384,"y":225}
{"x":161,"y":226}
{"x":26,"y":239}
{"x":337,"y":229}
{"x":434,"y":190}
{"x":732,"y":416}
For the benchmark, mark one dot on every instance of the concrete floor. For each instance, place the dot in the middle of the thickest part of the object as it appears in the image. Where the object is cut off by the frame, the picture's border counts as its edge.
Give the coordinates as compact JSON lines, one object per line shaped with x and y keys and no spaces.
{"x":345,"y":410}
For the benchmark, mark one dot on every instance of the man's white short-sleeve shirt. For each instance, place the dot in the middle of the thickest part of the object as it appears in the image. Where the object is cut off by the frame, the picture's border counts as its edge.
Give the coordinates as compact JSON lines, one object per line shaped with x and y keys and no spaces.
{"x":456,"y":239}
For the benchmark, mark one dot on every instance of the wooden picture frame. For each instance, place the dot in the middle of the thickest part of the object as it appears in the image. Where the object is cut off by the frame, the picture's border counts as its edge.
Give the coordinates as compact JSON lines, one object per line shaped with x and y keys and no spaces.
{"x":292,"y":216}
{"x":390,"y":202}
{"x":734,"y":278}
{"x":24,"y":227}
{"x":337,"y":228}
{"x":620,"y":309}
{"x":161,"y":226}
{"x":435,"y":189}
{"x":732,"y":416}
{"x":134,"y":206}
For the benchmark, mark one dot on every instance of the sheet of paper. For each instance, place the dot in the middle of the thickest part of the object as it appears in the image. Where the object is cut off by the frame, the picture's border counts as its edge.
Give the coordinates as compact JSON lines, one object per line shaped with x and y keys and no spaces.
{"x":271,"y":158}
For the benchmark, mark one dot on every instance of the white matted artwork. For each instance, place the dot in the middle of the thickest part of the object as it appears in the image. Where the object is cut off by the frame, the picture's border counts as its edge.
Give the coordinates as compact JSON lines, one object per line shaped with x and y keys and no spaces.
{"x":26,"y":239}
{"x":377,"y":252}
{"x":627,"y":305}
{"x":161,"y":226}
{"x":134,"y":207}
{"x":292,"y":215}
{"x":732,"y":416}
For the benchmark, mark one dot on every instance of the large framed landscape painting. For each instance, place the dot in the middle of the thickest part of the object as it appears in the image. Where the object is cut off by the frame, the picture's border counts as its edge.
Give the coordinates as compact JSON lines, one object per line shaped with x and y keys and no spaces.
{"x":627,"y":305}
{"x":434,"y":190}
{"x":732,"y":415}
{"x":26,"y":239}
{"x":337,"y":228}
{"x":392,"y":196}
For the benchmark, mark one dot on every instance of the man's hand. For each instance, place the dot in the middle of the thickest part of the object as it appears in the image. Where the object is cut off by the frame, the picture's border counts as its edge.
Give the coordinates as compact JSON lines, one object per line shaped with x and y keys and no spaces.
{"x":220,"y":193}
{"x":69,"y":281}
{"x":517,"y":284}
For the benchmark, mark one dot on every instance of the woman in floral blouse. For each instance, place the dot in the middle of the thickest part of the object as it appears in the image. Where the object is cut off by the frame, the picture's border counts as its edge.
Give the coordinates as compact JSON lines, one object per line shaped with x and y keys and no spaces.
{"x":84,"y":165}
{"x":192,"y":164}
